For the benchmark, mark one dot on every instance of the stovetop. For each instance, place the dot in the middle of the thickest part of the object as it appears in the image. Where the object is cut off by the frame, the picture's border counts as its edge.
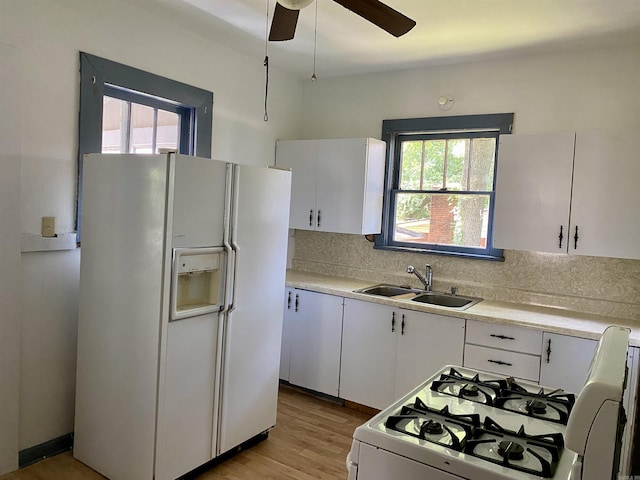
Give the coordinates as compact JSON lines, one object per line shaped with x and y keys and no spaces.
{"x":478,"y":425}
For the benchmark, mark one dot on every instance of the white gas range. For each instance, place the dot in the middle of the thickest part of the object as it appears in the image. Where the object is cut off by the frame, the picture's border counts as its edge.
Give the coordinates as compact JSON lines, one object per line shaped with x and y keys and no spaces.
{"x":466,"y":424}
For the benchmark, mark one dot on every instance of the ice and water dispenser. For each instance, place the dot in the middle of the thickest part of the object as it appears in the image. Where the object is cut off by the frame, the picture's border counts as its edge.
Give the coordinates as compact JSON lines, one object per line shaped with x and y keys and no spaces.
{"x":198,"y":281}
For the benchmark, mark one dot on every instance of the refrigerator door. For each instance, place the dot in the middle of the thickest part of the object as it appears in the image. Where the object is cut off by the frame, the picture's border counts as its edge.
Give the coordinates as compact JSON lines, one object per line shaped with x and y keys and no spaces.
{"x":120,"y":309}
{"x":187,"y":413}
{"x":253,"y":330}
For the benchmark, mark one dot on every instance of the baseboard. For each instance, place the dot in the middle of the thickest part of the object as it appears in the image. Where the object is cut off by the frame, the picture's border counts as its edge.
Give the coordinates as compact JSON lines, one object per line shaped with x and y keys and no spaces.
{"x":53,"y":447}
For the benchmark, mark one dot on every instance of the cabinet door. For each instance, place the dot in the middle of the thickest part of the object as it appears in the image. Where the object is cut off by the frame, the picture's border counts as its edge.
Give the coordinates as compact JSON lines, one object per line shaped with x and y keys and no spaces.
{"x":368,"y":353}
{"x":606,"y":195}
{"x":342,"y":167}
{"x":316,"y":340}
{"x":287,"y":319}
{"x":426,"y":342}
{"x":565,"y":361}
{"x":533,"y":192}
{"x":300,"y":156}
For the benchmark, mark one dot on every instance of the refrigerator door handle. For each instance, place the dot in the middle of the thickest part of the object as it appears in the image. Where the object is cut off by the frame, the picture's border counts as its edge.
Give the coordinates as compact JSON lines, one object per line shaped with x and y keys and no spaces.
{"x":226,"y":242}
{"x":233,"y":232}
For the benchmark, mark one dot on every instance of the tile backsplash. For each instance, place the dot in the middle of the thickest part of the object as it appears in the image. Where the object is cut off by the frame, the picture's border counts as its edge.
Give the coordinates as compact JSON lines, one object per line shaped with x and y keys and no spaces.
{"x":598,"y":285}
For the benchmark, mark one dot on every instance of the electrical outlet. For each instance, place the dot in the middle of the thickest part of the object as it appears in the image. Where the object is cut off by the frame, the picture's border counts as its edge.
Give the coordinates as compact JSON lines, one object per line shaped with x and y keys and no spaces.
{"x":48,"y":226}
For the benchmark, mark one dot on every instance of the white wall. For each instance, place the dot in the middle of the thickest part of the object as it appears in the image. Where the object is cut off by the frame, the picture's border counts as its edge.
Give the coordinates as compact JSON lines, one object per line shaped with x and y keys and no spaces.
{"x":45,"y":38}
{"x":579,"y":89}
{"x":10,"y":150}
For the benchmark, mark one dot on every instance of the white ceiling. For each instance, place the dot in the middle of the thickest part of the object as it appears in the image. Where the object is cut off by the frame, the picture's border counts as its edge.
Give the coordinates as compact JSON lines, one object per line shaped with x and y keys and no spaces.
{"x":447,"y":31}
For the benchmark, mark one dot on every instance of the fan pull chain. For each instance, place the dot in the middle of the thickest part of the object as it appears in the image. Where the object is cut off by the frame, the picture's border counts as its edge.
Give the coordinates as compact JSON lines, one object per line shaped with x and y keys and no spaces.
{"x":266,"y":66}
{"x":314,"y":78}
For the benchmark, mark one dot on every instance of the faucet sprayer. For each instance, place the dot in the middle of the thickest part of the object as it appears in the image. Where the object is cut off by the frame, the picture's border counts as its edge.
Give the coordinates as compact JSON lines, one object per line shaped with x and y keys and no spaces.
{"x":428,"y":281}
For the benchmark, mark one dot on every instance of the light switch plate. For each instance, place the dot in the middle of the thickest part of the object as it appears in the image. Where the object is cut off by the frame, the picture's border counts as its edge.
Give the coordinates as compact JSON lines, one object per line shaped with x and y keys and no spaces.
{"x":48,"y":226}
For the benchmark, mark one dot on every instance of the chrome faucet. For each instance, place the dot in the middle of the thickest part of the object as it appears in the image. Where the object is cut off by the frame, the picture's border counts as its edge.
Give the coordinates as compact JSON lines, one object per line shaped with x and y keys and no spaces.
{"x":428,"y":281}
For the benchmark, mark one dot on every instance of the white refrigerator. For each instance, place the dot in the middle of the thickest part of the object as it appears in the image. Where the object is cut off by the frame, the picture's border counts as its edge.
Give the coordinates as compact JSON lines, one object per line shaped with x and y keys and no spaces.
{"x":180,"y":314}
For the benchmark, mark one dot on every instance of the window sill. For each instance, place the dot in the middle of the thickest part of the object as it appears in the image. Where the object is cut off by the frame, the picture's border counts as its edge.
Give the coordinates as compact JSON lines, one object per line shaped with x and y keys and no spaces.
{"x":473,"y":256}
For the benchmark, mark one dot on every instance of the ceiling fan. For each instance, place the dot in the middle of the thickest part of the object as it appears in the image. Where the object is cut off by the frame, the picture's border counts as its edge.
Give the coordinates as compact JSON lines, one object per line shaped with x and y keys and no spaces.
{"x":285,"y":17}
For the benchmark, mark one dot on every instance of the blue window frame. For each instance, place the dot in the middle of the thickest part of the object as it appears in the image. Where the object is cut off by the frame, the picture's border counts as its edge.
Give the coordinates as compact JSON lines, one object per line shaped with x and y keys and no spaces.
{"x":440,"y":184}
{"x":100,"y":78}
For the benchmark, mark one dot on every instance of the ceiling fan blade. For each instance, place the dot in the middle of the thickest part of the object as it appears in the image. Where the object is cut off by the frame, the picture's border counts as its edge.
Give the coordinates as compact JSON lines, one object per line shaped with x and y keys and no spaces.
{"x":283,"y":25}
{"x":380,"y":14}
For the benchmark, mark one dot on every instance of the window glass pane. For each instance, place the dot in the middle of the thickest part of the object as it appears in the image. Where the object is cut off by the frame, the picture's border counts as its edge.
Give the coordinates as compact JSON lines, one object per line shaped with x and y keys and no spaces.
{"x":168,"y":130}
{"x":142,"y":128}
{"x":442,"y":218}
{"x":483,"y":154}
{"x":457,"y":160}
{"x":113,"y":110}
{"x":411,"y":166}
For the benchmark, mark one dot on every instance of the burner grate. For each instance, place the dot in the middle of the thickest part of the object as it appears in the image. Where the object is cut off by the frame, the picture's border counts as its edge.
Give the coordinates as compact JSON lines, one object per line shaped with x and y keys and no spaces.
{"x":533,"y":454}
{"x":436,"y":426}
{"x":507,"y":394}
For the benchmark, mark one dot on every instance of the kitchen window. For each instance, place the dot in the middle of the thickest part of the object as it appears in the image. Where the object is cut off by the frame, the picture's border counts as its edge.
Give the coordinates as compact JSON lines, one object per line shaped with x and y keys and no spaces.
{"x":440,"y":184}
{"x":126,"y":110}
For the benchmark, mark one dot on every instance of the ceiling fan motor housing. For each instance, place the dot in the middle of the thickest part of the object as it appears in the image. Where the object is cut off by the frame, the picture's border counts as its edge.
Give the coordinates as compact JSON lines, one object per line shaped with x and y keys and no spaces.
{"x":295,"y":4}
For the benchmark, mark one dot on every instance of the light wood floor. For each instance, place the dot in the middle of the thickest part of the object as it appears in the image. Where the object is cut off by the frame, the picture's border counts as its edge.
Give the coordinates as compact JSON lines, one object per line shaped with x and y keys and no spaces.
{"x":310,"y":441}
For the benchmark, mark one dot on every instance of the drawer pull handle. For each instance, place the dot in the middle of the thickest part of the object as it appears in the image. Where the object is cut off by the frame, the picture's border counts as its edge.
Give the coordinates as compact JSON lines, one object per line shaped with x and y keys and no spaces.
{"x":500,"y":362}
{"x":402,"y":325}
{"x":393,"y":322}
{"x":501,"y":337}
{"x":289,"y":301}
{"x":297,"y":302}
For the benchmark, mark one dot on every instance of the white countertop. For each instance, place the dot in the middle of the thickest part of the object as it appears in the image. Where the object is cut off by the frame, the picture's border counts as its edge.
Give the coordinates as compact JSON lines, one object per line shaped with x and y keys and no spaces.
{"x":554,"y":320}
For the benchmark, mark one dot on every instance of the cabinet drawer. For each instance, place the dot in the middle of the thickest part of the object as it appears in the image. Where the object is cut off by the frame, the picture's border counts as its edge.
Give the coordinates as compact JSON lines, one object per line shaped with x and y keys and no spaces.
{"x":506,"y":337}
{"x":512,"y":364}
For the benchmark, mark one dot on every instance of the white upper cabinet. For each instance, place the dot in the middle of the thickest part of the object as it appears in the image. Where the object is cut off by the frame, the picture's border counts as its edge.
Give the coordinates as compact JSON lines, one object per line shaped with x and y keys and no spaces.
{"x":605,"y":207}
{"x":337,"y":184}
{"x":569,"y":193}
{"x":533,"y":192}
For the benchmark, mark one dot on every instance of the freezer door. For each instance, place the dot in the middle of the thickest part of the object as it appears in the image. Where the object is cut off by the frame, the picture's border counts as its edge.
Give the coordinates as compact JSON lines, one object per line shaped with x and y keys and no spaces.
{"x":198,"y":202}
{"x":253,"y":327}
{"x":120,"y":308}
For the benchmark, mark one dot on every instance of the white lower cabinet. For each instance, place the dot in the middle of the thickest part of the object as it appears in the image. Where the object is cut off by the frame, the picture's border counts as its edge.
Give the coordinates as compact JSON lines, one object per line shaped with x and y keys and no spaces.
{"x":387,"y":351}
{"x":368,"y":362}
{"x":426,"y":342}
{"x":314,"y":336}
{"x":565,"y":361}
{"x":285,"y":347}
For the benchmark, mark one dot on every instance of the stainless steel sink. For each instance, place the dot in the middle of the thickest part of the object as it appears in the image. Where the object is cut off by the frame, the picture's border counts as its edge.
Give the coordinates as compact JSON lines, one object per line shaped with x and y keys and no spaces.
{"x":388,"y":290}
{"x":446,"y":300}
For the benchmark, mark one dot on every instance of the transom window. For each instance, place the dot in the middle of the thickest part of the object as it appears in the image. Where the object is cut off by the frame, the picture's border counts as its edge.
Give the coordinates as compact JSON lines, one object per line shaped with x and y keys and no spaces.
{"x":440,"y":184}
